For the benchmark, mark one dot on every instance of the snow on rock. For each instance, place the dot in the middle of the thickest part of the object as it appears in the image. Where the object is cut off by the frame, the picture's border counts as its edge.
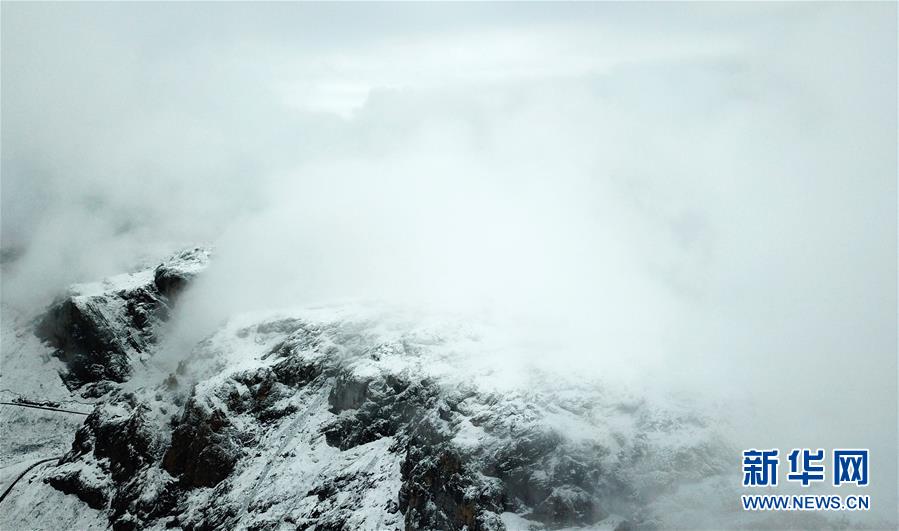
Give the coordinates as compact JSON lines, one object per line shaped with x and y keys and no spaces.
{"x":100,"y":329}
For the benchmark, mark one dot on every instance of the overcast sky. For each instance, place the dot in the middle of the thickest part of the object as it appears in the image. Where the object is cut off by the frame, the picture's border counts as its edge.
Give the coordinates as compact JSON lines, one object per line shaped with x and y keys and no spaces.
{"x":700,"y":192}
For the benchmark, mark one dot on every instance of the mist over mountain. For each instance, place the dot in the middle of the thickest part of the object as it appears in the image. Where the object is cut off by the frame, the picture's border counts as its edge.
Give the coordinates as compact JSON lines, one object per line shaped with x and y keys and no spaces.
{"x":430,"y":266}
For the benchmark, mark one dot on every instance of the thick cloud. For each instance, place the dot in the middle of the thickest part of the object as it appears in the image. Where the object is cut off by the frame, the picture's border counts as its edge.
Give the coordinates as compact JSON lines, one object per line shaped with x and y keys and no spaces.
{"x":691,"y":195}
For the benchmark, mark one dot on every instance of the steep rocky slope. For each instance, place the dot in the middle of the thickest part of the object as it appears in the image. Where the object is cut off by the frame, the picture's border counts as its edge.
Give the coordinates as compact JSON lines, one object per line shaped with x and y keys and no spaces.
{"x":100,"y":329}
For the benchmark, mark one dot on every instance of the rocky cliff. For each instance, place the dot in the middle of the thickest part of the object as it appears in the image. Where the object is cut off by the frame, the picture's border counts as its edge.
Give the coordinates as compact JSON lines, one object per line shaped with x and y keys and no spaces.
{"x":101,"y":329}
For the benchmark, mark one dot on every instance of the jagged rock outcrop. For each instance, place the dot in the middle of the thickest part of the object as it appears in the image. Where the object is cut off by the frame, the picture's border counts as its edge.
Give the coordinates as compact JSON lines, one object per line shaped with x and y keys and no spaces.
{"x":116,"y":442}
{"x":101,"y":328}
{"x":444,"y":490}
{"x":204,"y":445}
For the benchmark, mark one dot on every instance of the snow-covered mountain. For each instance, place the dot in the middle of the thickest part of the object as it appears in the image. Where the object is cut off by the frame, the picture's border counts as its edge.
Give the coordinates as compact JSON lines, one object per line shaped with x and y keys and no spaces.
{"x":353,"y":416}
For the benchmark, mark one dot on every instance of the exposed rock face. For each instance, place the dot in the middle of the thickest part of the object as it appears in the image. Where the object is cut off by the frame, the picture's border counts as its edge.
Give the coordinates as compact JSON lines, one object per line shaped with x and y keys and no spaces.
{"x":443,"y":490}
{"x":117,"y":442}
{"x":204,"y":446}
{"x":324,"y":422}
{"x":100,"y":329}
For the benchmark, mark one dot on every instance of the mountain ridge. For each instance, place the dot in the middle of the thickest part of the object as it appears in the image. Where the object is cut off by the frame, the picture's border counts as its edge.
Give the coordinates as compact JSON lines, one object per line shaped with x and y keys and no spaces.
{"x":362,"y":416}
